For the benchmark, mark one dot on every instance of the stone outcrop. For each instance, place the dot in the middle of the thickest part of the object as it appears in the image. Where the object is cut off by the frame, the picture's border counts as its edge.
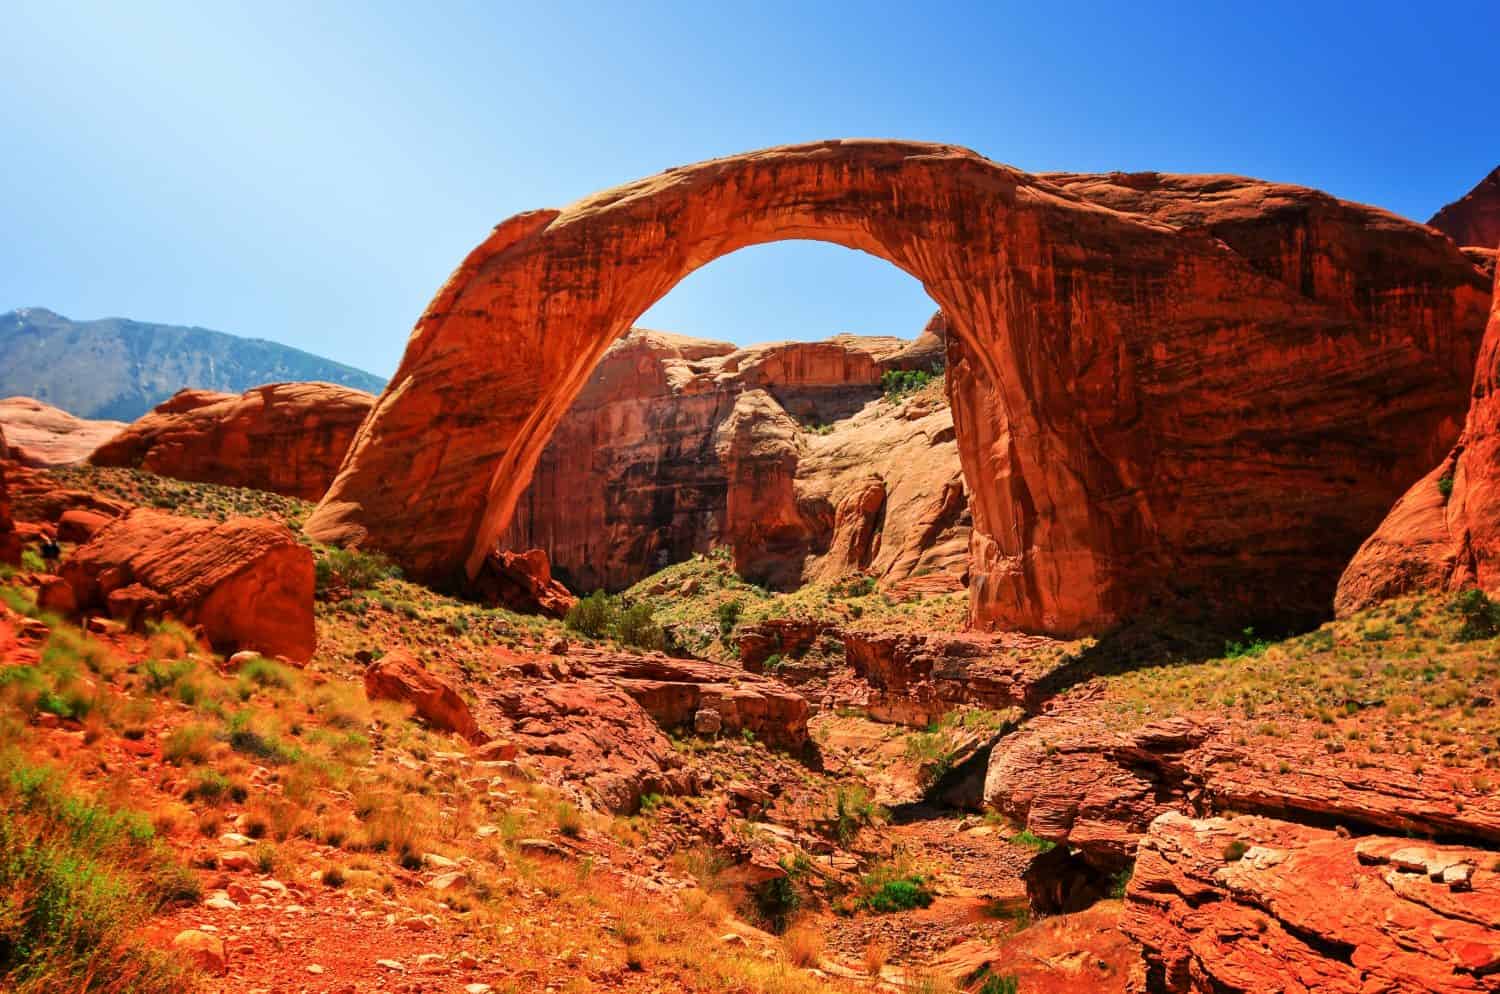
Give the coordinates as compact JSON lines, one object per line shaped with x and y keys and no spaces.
{"x":1444,"y":533}
{"x":1071,"y":781}
{"x":594,"y":718}
{"x":1158,"y":372}
{"x":634,"y":478}
{"x":42,"y":435}
{"x":398,"y":676}
{"x":1254,"y":904}
{"x":288,"y":438}
{"x":1474,"y":218}
{"x":246,"y":582}
{"x":10,"y":543}
{"x":522,"y":581}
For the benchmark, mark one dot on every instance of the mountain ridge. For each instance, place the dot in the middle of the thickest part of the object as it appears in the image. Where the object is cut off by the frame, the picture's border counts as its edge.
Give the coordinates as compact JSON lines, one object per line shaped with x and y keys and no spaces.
{"x":120,"y":368}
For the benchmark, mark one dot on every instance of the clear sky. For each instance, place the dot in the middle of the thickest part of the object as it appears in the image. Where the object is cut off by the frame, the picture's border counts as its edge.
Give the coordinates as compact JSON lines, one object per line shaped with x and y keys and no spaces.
{"x":310,"y":172}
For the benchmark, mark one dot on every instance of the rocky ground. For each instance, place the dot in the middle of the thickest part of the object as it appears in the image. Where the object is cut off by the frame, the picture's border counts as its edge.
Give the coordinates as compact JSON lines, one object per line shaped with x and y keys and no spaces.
{"x":841,"y":791}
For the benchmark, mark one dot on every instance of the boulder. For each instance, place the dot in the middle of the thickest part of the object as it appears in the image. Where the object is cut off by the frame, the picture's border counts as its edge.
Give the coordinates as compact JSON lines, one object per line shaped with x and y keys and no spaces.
{"x":78,"y":524}
{"x":288,"y":438}
{"x":1248,"y":904}
{"x":202,"y":949}
{"x":398,"y":676}
{"x":1444,"y":533}
{"x":247,"y":582}
{"x":1474,"y":218}
{"x":43,"y":436}
{"x":522,"y":581}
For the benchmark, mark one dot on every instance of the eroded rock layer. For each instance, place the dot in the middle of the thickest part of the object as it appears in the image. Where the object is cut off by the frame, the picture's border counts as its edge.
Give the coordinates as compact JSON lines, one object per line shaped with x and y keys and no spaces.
{"x":1474,"y":218}
{"x":1444,"y":533}
{"x":42,"y":435}
{"x":1254,"y":904}
{"x":1154,"y":380}
{"x":288,"y":438}
{"x":639,"y":475}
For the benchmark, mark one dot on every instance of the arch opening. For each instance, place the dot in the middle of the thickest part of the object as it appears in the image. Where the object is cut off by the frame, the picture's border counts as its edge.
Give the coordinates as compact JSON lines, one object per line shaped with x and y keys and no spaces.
{"x":782,"y":447}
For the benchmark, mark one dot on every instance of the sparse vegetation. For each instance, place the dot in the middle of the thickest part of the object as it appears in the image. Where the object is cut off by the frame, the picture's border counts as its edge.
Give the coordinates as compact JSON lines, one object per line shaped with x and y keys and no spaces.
{"x":898,"y":383}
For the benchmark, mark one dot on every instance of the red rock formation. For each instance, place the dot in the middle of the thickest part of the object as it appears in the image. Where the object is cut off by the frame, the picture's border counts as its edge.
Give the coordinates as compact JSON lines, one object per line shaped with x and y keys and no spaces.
{"x":522,"y":581}
{"x":592,"y":735}
{"x":42,"y":435}
{"x":284,"y":437}
{"x":1144,"y":398}
{"x":1474,"y":218}
{"x":1253,"y":904}
{"x":760,"y":445}
{"x":915,"y":679}
{"x":1444,"y":533}
{"x":631,"y":480}
{"x":10,"y":543}
{"x":398,"y":676}
{"x":246,"y":582}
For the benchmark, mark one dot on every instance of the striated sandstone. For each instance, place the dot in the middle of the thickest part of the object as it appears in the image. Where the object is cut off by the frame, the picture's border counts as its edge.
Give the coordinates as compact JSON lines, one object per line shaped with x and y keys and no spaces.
{"x":288,"y":438}
{"x":246,"y":582}
{"x":42,"y":435}
{"x":1444,"y":533}
{"x":1153,"y":381}
{"x":1474,"y":218}
{"x":1308,"y":909}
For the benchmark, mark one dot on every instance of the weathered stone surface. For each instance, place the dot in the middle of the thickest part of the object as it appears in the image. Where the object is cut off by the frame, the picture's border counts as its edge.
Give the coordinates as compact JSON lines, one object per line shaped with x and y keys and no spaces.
{"x":10,"y":543}
{"x":786,"y":637}
{"x":1145,"y":395}
{"x":1306,"y":909}
{"x":1474,"y":218}
{"x":915,"y":679}
{"x":284,"y":437}
{"x":398,"y":676}
{"x":203,"y":950}
{"x":592,"y":735}
{"x":42,"y":435}
{"x":1444,"y":533}
{"x":80,"y":524}
{"x":1069,"y":781}
{"x":522,"y":581}
{"x":246,"y":582}
{"x":673,"y":690}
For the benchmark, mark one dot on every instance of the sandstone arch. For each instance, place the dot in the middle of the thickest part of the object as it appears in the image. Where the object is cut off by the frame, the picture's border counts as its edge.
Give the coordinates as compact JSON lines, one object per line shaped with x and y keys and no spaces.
{"x":1117,"y":451}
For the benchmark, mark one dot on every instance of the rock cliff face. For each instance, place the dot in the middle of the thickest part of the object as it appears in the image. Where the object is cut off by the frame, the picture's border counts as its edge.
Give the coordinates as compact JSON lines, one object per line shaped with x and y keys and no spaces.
{"x":1158,"y":373}
{"x":284,"y":437}
{"x":787,"y":452}
{"x":10,"y":544}
{"x":1444,"y":533}
{"x":42,"y":435}
{"x":1474,"y":218}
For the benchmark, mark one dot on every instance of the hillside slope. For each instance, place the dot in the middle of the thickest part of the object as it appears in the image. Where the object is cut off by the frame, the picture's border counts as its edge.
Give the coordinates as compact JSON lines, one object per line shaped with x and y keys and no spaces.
{"x":119,"y":369}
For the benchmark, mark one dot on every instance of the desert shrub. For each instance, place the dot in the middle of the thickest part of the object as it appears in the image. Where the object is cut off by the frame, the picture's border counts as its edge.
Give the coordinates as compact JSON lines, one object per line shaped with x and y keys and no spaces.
{"x":636,"y":626}
{"x":1249,"y":648}
{"x":265,"y":673}
{"x":1030,"y":840}
{"x":354,"y":569}
{"x":729,"y":615}
{"x":803,"y":945}
{"x":897,"y":383}
{"x":188,"y":744}
{"x":900,"y":894}
{"x":999,"y":983}
{"x":853,"y":808}
{"x":593,"y":615}
{"x":777,"y":901}
{"x":1235,"y":851}
{"x":1479,"y":615}
{"x":569,"y":819}
{"x":77,"y":879}
{"x":859,"y":586}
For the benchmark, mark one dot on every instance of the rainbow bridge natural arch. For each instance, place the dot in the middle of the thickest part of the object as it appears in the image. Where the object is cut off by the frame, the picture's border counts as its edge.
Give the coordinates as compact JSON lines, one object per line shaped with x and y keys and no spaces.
{"x":1100,"y":364}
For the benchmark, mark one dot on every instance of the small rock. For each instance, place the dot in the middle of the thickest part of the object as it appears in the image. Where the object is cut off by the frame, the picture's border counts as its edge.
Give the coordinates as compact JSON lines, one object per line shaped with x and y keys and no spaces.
{"x":314,"y":969}
{"x":707,"y":721}
{"x":391,"y":964}
{"x":1459,"y":876}
{"x":477,"y":989}
{"x":435,"y":861}
{"x":204,"y":950}
{"x":455,"y":880}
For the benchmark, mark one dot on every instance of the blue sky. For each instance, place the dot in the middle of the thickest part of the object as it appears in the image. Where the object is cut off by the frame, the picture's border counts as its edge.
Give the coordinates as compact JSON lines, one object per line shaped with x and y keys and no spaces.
{"x":310,"y":172}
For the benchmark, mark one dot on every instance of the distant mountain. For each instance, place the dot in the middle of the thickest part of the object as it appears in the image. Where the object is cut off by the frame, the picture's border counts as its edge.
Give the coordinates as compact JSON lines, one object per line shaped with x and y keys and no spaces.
{"x":119,"y":369}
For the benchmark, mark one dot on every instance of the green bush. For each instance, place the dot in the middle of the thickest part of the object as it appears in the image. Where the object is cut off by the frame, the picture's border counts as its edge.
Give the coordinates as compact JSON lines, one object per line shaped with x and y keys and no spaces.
{"x":1479,"y":614}
{"x":1235,"y":851}
{"x":901,"y":894}
{"x":593,"y":615}
{"x":1251,"y":647}
{"x":897,"y":383}
{"x":77,"y":879}
{"x":997,"y":983}
{"x":1445,"y":486}
{"x":636,"y":626}
{"x":354,"y":569}
{"x":729,"y":615}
